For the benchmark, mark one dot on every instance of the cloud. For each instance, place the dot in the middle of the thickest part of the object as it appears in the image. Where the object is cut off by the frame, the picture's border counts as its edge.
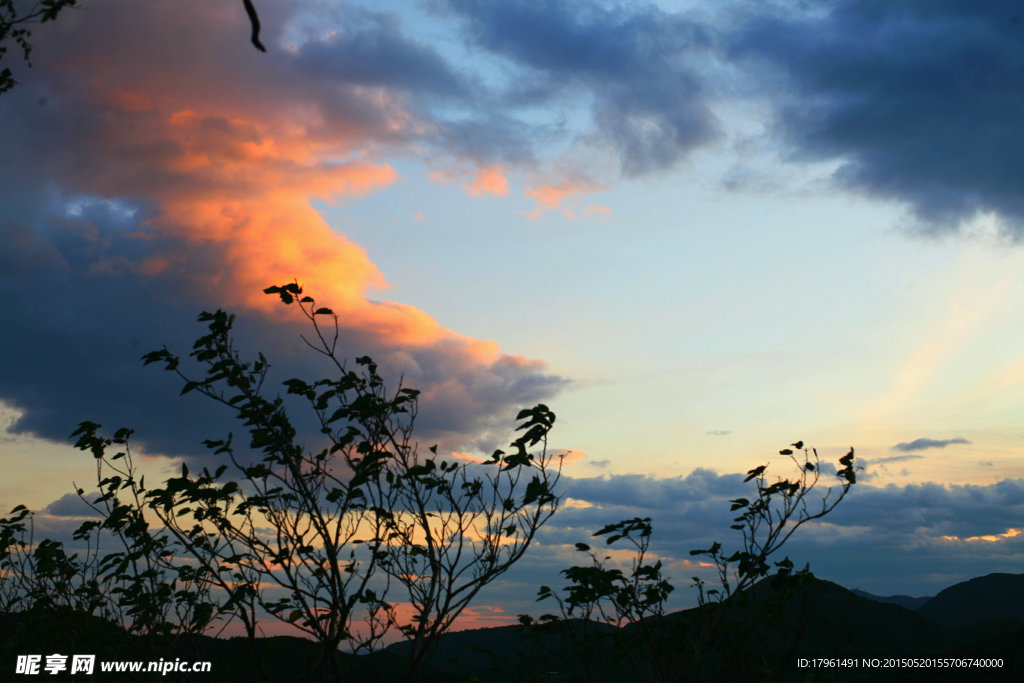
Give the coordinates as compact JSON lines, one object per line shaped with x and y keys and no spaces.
{"x":918,"y":102}
{"x":913,"y":102}
{"x":914,"y":539}
{"x":368,"y":48}
{"x":891,"y":458}
{"x":147,"y":182}
{"x":70,"y":505}
{"x":570,"y":456}
{"x":923,"y":443}
{"x":872,"y":468}
{"x":629,"y":62}
{"x":653,"y":493}
{"x":987,"y":538}
{"x":490,"y":180}
{"x":550,"y":196}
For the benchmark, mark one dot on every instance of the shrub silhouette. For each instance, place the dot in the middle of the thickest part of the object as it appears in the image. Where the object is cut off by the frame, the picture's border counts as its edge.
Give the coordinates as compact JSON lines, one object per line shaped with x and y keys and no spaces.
{"x":632,"y":602}
{"x":323,"y":538}
{"x":342,"y":539}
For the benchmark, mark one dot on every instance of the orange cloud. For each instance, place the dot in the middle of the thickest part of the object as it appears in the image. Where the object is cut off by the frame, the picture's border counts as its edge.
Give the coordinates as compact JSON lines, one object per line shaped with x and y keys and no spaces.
{"x":489,"y":180}
{"x":551,"y":196}
{"x":988,"y":538}
{"x":482,"y":616}
{"x":241,"y":184}
{"x":567,"y":457}
{"x":468,"y":457}
{"x":570,"y":457}
{"x":473,"y":617}
{"x":190,"y":176}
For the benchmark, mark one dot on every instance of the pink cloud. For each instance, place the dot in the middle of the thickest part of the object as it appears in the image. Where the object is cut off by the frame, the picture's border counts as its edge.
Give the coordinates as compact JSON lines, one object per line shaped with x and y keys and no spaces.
{"x":490,"y":180}
{"x":552,"y":195}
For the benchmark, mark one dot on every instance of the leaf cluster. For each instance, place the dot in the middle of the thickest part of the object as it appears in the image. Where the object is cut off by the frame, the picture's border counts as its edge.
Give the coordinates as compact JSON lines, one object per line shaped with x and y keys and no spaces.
{"x":768,"y":520}
{"x":13,"y":25}
{"x":128,"y":571}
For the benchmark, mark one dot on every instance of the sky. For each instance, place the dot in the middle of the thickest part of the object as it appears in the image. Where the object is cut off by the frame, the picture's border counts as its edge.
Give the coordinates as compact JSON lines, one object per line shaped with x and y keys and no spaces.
{"x":698,"y":231}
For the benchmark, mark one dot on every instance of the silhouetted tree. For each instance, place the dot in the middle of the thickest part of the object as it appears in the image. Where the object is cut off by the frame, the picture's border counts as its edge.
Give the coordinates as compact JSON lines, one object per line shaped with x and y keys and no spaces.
{"x":632,"y":602}
{"x":770,"y":519}
{"x":322,"y":537}
{"x":126,"y":573}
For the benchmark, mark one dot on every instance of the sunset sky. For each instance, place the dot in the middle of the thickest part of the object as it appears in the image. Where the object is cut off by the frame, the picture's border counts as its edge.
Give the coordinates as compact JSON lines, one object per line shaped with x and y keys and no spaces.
{"x":698,"y":230}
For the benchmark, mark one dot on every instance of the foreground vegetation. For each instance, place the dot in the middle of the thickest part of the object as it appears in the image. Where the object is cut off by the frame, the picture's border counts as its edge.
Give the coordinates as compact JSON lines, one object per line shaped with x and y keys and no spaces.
{"x":334,"y":533}
{"x":766,"y":638}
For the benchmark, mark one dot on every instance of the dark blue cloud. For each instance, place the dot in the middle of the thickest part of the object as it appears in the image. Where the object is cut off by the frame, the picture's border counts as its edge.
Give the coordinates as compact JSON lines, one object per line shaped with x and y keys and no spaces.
{"x":920,"y":101}
{"x":71,"y":505}
{"x":654,"y":493}
{"x":913,"y":539}
{"x":370,"y":49}
{"x":76,"y":331}
{"x":923,"y":443}
{"x":631,"y":61}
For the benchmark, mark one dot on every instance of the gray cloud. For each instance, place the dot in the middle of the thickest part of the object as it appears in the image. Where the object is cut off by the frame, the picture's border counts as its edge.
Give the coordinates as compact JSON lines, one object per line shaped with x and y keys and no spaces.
{"x":648,"y":103}
{"x":371,"y":50}
{"x":70,"y":505}
{"x":891,"y":458}
{"x":923,"y":443}
{"x":873,"y":468}
{"x":914,"y":539}
{"x":80,"y":360}
{"x":919,"y":101}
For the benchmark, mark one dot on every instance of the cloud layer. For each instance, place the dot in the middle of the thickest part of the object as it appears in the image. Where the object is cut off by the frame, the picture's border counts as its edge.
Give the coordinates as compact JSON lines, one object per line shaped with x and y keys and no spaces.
{"x":647,"y":101}
{"x":150,"y":182}
{"x":917,"y":101}
{"x":923,"y":443}
{"x":915,"y":539}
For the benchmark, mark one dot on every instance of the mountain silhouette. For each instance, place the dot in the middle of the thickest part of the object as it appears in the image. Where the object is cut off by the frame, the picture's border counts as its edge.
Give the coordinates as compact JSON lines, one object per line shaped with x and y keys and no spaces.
{"x":762,"y":633}
{"x":901,"y":600}
{"x":993,"y":597}
{"x":768,"y":630}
